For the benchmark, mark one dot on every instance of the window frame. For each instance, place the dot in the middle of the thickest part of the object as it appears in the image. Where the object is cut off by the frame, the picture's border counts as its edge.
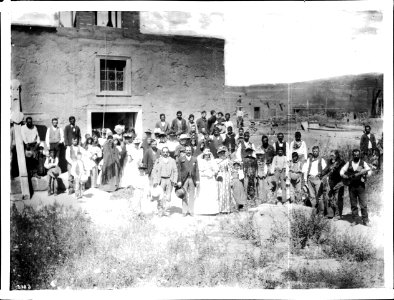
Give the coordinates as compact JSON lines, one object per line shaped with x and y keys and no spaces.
{"x":126,"y":76}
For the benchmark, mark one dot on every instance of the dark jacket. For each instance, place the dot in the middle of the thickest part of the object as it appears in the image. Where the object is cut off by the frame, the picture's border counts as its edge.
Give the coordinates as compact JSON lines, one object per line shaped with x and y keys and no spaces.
{"x":188,"y":168}
{"x":210,"y":123}
{"x":149,"y":159}
{"x":333,"y":170}
{"x":69,"y":133}
{"x":202,"y":123}
{"x":174,"y":126}
{"x":230,"y":142}
{"x":364,"y":143}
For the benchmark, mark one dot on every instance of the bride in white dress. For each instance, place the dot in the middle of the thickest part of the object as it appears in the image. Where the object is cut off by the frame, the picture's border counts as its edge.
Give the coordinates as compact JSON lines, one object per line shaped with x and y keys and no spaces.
{"x":206,"y":202}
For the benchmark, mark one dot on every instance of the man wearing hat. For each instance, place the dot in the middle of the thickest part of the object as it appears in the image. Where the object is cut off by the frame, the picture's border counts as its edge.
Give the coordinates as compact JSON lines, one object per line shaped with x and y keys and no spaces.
{"x":163,"y":125}
{"x":172,"y":143}
{"x":189,"y":179}
{"x":162,"y":140}
{"x":147,"y":140}
{"x":183,"y":142}
{"x":165,"y":174}
{"x":179,"y":125}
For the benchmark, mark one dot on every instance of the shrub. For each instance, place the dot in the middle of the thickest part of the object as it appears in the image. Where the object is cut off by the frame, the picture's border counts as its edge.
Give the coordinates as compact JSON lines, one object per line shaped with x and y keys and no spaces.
{"x":44,"y":239}
{"x":350,"y":246}
{"x":305,"y":226}
{"x":244,"y":228}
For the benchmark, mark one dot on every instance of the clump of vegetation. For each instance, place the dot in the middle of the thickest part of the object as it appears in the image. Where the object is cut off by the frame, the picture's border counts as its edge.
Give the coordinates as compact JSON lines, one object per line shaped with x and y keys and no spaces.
{"x":244,"y":227}
{"x":45,"y":239}
{"x":349,"y":246}
{"x":306,"y":226}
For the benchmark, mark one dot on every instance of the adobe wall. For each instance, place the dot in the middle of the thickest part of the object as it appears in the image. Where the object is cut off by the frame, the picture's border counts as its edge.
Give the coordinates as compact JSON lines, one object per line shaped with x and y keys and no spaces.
{"x":56,"y":68}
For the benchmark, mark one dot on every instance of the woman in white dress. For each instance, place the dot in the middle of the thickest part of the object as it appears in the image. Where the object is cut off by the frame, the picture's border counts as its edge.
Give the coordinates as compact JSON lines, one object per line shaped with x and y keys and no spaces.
{"x":207,"y":197}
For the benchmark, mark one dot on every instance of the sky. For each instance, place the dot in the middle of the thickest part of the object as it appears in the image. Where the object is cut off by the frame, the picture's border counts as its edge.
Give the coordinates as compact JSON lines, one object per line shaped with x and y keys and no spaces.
{"x":276,"y":43}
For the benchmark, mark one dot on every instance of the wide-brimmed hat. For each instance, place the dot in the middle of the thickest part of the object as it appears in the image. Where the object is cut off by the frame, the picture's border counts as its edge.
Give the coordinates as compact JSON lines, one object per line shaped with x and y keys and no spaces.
{"x":172,"y":133}
{"x":259,"y":152}
{"x":148,"y":131}
{"x":162,"y":133}
{"x":180,"y":193}
{"x":157,"y":131}
{"x":222,"y":149}
{"x":184,"y":136}
{"x":119,"y":129}
{"x":182,"y":149}
{"x":157,"y":192}
{"x":237,"y":162}
{"x":137,"y":141}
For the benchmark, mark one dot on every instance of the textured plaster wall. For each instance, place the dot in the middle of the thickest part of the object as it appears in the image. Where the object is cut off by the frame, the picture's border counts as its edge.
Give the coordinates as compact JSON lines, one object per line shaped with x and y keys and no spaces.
{"x":57,"y":74}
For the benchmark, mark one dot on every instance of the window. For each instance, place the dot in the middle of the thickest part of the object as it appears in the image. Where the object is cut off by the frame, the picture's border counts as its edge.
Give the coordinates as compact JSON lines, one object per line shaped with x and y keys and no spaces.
{"x":257,"y":112}
{"x":113,"y":76}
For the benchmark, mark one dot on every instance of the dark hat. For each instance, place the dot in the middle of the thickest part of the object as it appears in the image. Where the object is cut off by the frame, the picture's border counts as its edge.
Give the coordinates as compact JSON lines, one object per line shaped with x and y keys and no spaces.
{"x":182,"y":149}
{"x":172,"y":133}
{"x":180,"y":193}
{"x":222,"y":149}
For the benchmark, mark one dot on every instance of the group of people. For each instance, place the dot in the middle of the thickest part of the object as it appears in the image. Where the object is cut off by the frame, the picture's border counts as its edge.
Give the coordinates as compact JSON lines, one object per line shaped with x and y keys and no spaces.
{"x":206,"y":164}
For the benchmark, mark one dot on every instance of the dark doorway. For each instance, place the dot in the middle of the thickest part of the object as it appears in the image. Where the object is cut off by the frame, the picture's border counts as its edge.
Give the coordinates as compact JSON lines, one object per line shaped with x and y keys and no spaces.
{"x":111,"y":119}
{"x":257,"y":112}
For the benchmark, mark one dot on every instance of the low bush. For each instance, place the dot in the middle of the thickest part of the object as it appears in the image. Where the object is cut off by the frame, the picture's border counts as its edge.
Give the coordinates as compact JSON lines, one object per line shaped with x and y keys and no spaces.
{"x":245,"y":228}
{"x":350,"y":246}
{"x":43,"y":240}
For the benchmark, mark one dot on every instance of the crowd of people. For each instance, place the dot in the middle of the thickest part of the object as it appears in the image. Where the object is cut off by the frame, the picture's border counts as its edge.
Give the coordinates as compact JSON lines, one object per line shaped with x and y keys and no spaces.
{"x":205,"y":163}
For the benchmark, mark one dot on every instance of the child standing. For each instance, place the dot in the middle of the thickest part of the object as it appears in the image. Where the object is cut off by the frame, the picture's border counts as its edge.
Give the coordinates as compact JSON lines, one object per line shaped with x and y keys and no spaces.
{"x":142,"y":199}
{"x":53,"y":171}
{"x":262,"y":184}
{"x":78,"y":171}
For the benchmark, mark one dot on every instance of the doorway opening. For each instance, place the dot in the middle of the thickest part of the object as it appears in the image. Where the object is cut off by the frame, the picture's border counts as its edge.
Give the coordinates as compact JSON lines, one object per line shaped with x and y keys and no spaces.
{"x":111,"y":119}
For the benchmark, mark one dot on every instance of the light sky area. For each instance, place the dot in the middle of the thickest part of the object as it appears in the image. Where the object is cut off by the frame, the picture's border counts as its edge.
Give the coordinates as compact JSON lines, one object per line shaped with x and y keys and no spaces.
{"x":276,"y":43}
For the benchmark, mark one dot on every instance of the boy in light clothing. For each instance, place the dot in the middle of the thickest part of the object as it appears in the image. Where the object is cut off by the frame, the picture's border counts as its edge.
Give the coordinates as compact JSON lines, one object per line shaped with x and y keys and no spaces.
{"x":78,"y":171}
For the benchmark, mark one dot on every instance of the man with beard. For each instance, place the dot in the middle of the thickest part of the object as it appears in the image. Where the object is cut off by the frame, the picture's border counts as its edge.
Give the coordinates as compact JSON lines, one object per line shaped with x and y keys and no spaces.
{"x":71,"y":131}
{"x":335,"y":184}
{"x":312,"y":170}
{"x":245,"y":143}
{"x":150,"y":157}
{"x":268,"y":150}
{"x":189,"y":179}
{"x":110,"y":171}
{"x":355,"y":172}
{"x":367,"y":143}
{"x":165,"y":174}
{"x":179,"y":125}
{"x":299,"y":146}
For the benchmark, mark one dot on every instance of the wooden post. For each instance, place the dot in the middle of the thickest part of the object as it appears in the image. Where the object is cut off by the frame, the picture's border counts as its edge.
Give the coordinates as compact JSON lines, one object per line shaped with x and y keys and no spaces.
{"x":17,"y":118}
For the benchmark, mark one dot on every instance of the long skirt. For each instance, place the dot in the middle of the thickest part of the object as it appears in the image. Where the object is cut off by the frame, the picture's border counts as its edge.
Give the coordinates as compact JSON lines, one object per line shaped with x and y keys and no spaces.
{"x":226,"y":199}
{"x":240,"y":196}
{"x":206,"y":202}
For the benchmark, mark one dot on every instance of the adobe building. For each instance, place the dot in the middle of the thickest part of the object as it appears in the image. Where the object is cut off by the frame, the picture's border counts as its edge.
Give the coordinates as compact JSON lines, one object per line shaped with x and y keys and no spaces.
{"x":354,"y":94}
{"x":102,"y":70}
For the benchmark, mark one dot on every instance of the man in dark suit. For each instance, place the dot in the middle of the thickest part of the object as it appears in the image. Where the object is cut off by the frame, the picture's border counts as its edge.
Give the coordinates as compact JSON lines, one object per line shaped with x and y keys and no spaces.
{"x":150,"y":156}
{"x":179,"y":124}
{"x":211,"y":121}
{"x":367,"y":143}
{"x":189,"y":179}
{"x":71,"y":131}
